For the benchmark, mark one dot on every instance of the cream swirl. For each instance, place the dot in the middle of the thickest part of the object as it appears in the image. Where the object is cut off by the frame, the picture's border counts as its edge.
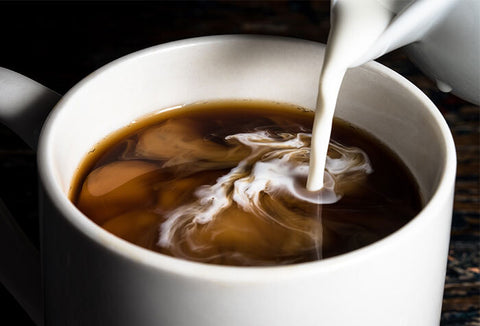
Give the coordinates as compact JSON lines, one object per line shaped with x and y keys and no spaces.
{"x":277,"y":167}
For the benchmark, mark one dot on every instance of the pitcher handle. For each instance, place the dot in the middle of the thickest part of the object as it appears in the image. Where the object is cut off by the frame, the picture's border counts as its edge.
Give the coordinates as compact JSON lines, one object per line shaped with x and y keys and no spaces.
{"x":24,"y":106}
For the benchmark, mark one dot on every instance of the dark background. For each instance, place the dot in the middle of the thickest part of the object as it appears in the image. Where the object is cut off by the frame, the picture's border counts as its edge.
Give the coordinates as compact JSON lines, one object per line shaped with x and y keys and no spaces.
{"x":59,"y":43}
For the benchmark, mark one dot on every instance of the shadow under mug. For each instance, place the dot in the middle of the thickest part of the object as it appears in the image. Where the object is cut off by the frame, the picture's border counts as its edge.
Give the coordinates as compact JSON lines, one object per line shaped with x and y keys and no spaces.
{"x":91,"y":277}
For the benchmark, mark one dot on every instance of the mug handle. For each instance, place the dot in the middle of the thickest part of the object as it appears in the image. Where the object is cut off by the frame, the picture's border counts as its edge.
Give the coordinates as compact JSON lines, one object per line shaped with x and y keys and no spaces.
{"x":24,"y":106}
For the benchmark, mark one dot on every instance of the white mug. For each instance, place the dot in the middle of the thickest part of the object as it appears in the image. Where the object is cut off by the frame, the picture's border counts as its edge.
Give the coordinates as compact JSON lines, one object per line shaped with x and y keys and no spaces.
{"x":91,"y":277}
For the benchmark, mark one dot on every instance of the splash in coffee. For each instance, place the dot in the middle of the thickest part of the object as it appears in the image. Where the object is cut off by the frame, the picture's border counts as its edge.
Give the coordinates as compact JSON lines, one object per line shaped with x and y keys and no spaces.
{"x":224,"y":183}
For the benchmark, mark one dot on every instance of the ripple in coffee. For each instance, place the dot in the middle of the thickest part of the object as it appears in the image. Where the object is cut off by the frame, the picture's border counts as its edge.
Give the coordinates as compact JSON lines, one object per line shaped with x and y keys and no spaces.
{"x":224,"y":183}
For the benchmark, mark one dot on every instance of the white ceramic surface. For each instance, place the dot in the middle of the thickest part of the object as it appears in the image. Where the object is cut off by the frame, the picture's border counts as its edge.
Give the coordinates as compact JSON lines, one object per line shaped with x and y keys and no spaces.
{"x":91,"y":277}
{"x":442,"y":37}
{"x":450,"y":52}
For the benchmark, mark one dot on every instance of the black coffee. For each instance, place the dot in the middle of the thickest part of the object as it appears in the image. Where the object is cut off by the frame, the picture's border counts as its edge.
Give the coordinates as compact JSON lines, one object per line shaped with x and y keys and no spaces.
{"x":224,"y":183}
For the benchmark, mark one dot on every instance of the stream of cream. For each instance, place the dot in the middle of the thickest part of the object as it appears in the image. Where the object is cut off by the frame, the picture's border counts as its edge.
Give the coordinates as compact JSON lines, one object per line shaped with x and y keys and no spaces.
{"x":355,"y":25}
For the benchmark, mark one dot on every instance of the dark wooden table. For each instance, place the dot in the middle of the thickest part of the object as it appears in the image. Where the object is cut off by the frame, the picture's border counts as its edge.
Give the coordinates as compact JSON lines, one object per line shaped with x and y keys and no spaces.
{"x":58,"y":44}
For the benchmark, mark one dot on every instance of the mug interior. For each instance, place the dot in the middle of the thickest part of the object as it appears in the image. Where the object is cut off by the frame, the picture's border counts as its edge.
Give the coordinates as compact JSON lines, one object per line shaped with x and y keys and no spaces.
{"x":235,"y":67}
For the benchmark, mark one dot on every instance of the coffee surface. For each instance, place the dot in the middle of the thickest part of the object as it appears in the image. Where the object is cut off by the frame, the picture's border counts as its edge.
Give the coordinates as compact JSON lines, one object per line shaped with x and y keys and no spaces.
{"x":224,"y":183}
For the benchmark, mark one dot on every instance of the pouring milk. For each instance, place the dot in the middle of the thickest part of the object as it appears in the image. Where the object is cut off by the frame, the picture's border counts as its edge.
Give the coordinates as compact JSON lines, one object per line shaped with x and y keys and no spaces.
{"x":362,"y":30}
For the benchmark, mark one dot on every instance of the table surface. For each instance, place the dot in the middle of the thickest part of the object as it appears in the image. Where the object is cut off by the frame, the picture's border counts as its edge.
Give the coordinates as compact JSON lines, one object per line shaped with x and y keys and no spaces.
{"x":57,"y":44}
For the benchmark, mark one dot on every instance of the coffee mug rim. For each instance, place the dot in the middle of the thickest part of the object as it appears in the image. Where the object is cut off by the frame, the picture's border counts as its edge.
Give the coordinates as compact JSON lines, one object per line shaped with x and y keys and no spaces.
{"x":218,"y":272}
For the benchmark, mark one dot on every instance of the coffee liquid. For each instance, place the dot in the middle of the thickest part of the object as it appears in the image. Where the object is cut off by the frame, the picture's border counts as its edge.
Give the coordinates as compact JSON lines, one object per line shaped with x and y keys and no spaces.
{"x":224,"y":183}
